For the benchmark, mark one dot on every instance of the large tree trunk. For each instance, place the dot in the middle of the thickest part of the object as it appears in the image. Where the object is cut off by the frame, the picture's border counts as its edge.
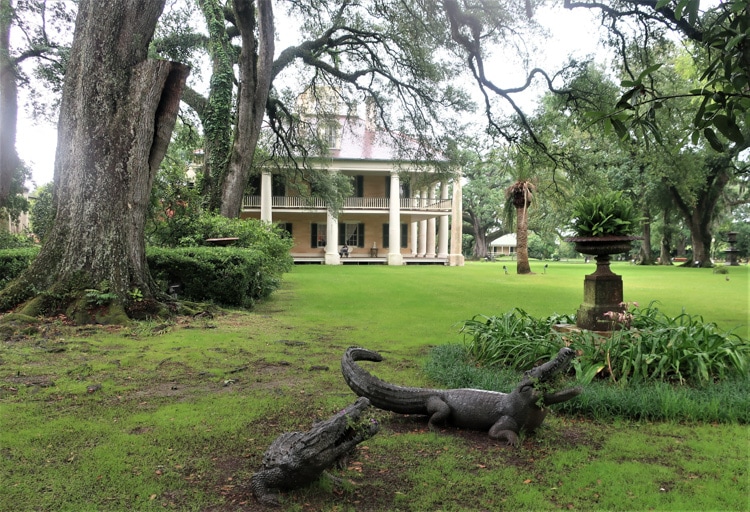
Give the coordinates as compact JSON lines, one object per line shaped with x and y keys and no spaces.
{"x":116,"y":116}
{"x":9,"y":160}
{"x":522,"y":241}
{"x":699,"y":214}
{"x":700,"y":236}
{"x":665,"y":256}
{"x":480,"y":240}
{"x":646,"y":257}
{"x":255,"y":82}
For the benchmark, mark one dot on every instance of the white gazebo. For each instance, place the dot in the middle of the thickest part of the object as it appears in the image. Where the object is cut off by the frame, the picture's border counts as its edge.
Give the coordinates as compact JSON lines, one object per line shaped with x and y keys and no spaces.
{"x":504,"y":246}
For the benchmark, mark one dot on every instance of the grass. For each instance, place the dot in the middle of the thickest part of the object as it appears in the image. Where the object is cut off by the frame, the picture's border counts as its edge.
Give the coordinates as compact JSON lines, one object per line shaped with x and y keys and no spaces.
{"x":177,"y":415}
{"x":414,"y":296}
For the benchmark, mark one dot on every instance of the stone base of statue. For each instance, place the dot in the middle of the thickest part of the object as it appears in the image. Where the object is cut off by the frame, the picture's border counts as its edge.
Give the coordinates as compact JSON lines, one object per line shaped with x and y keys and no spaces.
{"x":602,"y":293}
{"x":602,"y":290}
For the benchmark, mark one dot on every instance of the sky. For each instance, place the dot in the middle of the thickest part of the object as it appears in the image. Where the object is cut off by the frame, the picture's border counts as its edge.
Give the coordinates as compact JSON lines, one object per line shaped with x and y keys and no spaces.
{"x":573,"y":32}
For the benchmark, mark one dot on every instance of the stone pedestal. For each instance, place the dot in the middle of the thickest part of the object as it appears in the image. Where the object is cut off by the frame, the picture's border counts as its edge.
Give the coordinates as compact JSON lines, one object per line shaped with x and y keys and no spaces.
{"x":732,"y":252}
{"x":602,"y":293}
{"x":602,"y":290}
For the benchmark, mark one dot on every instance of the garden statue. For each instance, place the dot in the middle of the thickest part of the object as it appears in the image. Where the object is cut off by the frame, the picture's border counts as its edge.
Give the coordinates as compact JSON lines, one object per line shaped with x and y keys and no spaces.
{"x":504,"y":415}
{"x":296,"y":459}
{"x":603,"y":224}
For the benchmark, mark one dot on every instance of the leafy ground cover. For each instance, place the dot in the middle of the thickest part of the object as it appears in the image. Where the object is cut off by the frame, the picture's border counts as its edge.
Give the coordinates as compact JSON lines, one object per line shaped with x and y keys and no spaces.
{"x":177,"y":415}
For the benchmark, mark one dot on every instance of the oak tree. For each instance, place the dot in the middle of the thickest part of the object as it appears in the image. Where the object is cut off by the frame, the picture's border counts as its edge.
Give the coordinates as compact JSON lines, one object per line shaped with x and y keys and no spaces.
{"x":117,"y":113}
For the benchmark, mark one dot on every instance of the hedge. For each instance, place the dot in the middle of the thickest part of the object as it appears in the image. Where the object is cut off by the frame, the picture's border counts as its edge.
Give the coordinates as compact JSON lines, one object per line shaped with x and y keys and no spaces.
{"x":228,"y":276}
{"x":224,"y":275}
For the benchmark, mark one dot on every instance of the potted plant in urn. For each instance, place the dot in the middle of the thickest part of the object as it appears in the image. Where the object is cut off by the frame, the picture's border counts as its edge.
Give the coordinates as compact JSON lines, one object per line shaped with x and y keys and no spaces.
{"x":604,"y":224}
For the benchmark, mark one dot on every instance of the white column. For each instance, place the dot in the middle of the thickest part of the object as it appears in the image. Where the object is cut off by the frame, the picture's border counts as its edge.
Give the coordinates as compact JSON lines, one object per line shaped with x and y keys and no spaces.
{"x":422,"y":244}
{"x":443,"y":225}
{"x":414,"y":237}
{"x":430,"y":253}
{"x":394,"y":223}
{"x":456,"y":257}
{"x":332,"y":237}
{"x":266,"y":196}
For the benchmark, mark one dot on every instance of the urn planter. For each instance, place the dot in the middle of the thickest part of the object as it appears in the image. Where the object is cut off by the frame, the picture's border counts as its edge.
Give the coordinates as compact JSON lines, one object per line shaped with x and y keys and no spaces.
{"x":602,"y":290}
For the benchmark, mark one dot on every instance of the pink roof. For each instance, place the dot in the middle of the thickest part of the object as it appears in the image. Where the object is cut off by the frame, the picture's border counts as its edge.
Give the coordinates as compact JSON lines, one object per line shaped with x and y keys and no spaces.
{"x":360,"y":142}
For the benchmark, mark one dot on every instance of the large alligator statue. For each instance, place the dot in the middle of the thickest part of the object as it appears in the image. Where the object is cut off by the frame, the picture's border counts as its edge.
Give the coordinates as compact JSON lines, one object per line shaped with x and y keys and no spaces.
{"x":296,"y":459}
{"x":504,"y":415}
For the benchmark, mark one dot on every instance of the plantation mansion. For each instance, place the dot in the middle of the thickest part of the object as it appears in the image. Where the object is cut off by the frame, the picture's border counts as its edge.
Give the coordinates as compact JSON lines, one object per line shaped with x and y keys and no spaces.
{"x":386,"y":221}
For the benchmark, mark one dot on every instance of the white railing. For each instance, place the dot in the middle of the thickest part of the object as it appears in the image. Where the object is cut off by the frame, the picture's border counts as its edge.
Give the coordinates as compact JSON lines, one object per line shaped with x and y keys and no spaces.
{"x":253,"y":202}
{"x":371,"y":203}
{"x":367,"y":202}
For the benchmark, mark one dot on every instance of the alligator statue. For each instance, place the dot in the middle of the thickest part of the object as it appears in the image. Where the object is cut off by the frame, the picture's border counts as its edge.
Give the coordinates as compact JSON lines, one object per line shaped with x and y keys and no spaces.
{"x":296,"y":459}
{"x":504,"y":415}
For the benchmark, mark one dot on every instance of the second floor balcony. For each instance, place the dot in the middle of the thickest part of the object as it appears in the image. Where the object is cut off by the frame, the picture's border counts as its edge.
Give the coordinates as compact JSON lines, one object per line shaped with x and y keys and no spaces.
{"x":372,"y":204}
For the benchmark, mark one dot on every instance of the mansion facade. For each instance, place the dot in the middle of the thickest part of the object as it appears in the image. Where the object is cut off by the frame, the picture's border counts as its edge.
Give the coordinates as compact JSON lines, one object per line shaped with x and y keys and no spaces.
{"x":397,"y":215}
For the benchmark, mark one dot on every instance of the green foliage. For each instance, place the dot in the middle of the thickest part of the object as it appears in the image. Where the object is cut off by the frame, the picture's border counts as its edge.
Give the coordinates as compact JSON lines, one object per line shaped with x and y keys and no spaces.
{"x":655,"y":347}
{"x":680,"y":348}
{"x":225,"y":275}
{"x":15,"y":261}
{"x":719,"y":37}
{"x":515,"y":339}
{"x":42,"y":215}
{"x":100,"y":296}
{"x":608,"y":213}
{"x":15,"y":241}
{"x":724,"y":401}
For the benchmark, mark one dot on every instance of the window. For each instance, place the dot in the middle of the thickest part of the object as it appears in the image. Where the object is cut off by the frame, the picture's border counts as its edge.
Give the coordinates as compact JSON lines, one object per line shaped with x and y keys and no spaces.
{"x":387,"y":236}
{"x":317,"y":235}
{"x":358,"y":184}
{"x":330,"y":135}
{"x":278,"y":186}
{"x":287,"y":227}
{"x":352,"y":235}
{"x":253,"y":185}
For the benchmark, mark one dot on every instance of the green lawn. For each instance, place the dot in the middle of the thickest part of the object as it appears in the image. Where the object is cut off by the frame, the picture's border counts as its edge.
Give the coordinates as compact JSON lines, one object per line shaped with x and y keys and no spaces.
{"x":420,"y":305}
{"x":177,"y":415}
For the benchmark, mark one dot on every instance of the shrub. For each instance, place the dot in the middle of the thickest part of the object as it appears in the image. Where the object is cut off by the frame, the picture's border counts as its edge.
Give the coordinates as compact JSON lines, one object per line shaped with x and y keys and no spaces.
{"x":193,"y":231}
{"x":225,"y":275}
{"x":683,"y":348}
{"x":655,"y":347}
{"x":15,"y":261}
{"x":725,"y":401}
{"x":515,"y":339}
{"x":15,"y":241}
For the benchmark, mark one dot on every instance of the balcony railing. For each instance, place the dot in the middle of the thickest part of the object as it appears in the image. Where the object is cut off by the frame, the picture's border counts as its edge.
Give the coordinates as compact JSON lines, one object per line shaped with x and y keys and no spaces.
{"x":351,"y":203}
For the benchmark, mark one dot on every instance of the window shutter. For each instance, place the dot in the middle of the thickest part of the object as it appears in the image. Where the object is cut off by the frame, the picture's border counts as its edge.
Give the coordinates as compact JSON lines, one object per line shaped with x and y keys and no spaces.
{"x":342,"y":234}
{"x":361,"y":237}
{"x":386,"y":237}
{"x":314,"y":235}
{"x":404,"y":235}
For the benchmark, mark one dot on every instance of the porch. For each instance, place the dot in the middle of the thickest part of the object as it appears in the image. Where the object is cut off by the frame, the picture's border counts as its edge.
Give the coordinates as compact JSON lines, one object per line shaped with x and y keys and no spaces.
{"x":368,"y":260}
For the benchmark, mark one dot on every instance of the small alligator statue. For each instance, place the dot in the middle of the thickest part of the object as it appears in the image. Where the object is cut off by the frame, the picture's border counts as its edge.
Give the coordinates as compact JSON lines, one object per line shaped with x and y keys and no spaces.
{"x":503,"y":415}
{"x":296,"y":459}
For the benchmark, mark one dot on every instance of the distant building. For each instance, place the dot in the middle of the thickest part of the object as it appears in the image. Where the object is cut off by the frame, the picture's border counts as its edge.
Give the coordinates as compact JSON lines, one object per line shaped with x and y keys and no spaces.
{"x":504,"y":246}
